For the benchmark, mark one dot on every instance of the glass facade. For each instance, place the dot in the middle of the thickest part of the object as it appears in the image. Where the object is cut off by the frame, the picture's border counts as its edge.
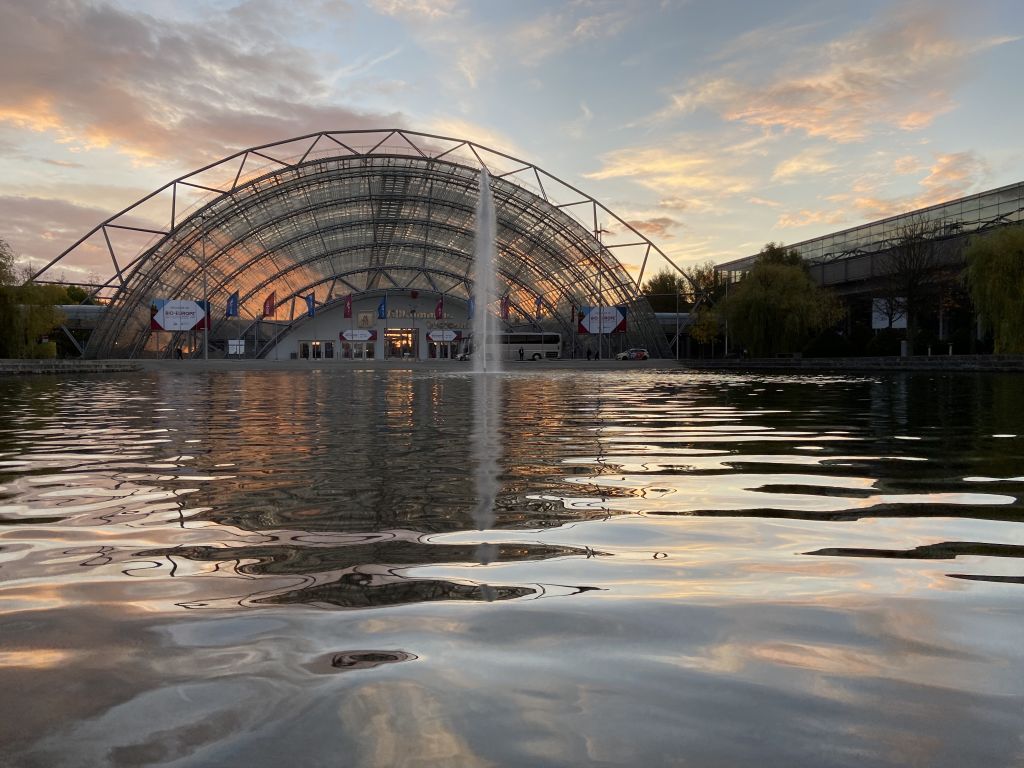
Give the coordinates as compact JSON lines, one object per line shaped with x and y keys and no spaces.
{"x":363,"y":224}
{"x":973,"y":213}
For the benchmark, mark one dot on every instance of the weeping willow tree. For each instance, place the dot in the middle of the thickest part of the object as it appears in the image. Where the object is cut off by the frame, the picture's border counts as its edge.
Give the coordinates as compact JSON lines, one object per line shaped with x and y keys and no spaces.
{"x":995,"y":276}
{"x":27,"y":311}
{"x":777,"y":307}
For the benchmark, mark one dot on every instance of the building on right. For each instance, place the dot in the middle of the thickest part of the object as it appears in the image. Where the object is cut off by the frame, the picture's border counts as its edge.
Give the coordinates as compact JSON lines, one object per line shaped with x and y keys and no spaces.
{"x":903,"y":276}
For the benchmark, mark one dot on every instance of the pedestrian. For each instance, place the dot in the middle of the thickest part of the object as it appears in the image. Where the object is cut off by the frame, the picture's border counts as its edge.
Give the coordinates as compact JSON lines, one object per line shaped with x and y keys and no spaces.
{"x":589,"y":355}
{"x":522,"y":354}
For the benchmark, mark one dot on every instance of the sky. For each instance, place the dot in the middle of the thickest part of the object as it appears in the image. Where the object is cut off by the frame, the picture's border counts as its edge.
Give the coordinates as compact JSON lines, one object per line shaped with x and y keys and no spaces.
{"x":712,"y":126}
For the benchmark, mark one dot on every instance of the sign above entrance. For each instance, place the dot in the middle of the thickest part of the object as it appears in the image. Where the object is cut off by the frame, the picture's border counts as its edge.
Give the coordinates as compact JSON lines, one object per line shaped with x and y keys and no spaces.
{"x":358,"y":334}
{"x":602,"y":320}
{"x":177,"y":315}
{"x":444,"y":335}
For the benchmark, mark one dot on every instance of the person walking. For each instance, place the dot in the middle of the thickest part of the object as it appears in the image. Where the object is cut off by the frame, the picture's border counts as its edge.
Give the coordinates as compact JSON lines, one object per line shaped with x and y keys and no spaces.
{"x":522,"y":354}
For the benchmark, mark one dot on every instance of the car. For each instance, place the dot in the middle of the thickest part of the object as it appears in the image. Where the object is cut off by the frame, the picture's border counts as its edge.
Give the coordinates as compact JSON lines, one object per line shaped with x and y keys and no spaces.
{"x":635,"y":353}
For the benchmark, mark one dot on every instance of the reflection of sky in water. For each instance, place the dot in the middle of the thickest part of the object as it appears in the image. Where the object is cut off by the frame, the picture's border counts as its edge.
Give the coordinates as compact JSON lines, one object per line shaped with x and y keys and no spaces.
{"x":245,"y":568}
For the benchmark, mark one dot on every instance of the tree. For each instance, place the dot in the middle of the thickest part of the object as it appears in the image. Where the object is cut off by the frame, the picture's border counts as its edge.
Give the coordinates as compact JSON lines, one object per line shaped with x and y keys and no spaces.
{"x":777,"y":307}
{"x":27,"y":310}
{"x":912,"y":262}
{"x":777,"y":253}
{"x":995,"y":276}
{"x":662,"y":289}
{"x":692,"y":284}
{"x":704,"y":281}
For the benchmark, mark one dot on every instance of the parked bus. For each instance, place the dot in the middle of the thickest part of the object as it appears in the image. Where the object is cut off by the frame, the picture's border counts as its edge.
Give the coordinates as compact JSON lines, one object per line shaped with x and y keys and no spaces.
{"x":535,"y":346}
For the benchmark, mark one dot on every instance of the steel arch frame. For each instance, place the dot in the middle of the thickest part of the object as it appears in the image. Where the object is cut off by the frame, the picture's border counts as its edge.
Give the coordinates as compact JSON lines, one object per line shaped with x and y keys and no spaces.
{"x":396,"y":153}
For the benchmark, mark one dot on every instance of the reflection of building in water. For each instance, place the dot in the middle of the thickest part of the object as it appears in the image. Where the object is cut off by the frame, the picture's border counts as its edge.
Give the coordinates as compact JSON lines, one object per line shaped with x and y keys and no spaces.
{"x":362,"y":575}
{"x":368,"y":451}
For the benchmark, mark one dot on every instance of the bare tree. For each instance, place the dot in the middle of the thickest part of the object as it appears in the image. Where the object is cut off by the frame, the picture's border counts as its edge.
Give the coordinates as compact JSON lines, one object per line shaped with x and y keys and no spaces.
{"x":912,"y":264}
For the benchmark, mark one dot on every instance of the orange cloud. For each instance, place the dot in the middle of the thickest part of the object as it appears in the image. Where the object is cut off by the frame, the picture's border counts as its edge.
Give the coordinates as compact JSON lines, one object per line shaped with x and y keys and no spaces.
{"x":168,"y":91}
{"x":804,"y":217}
{"x":897,"y":72}
{"x":685,"y":170}
{"x":806,"y":163}
{"x":951,"y":175}
{"x":658,"y":226}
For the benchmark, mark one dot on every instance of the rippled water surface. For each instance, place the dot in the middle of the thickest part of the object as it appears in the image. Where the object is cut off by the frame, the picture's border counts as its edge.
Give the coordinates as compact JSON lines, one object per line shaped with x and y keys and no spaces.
{"x":423,"y":568}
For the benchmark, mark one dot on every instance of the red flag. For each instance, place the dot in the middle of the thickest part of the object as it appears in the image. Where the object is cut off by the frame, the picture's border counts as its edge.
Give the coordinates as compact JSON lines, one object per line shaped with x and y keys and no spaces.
{"x":504,"y":307}
{"x":270,"y":305}
{"x":439,"y":309}
{"x":348,"y":306}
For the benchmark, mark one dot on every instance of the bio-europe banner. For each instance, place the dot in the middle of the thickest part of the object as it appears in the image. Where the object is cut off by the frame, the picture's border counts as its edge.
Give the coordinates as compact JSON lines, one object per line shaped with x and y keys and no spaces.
{"x":602,"y":320}
{"x":178,"y":315}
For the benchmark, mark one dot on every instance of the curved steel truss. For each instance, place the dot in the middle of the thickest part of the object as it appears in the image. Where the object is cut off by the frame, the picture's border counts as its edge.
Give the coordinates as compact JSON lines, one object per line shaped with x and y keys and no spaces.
{"x":361,"y":212}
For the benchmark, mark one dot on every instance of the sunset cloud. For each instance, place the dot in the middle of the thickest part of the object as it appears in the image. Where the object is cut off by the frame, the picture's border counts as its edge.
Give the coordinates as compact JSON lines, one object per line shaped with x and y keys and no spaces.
{"x":950,"y":175}
{"x":684,"y":170}
{"x":804,"y":217}
{"x":96,"y":76}
{"x":809,"y":162}
{"x":657,"y":227}
{"x":894,"y":73}
{"x":418,"y":9}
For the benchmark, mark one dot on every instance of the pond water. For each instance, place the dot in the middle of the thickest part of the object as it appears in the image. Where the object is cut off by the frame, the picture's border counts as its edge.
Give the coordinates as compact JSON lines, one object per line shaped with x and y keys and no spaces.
{"x":390,"y":567}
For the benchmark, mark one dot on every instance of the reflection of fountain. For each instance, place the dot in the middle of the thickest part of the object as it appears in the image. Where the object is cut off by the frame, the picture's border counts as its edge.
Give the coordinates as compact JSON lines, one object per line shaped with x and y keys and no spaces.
{"x":486,"y":439}
{"x":486,"y":352}
{"x":486,"y":445}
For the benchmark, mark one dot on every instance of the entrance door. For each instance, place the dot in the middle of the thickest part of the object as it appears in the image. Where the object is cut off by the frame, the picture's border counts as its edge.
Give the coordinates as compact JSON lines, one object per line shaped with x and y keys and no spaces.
{"x":401,"y":343}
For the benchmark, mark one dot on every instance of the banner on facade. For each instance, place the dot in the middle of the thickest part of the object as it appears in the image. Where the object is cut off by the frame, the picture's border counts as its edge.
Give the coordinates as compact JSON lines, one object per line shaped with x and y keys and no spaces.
{"x":358,"y":334}
{"x":178,"y":315}
{"x":270,"y":305}
{"x":602,"y":320}
{"x":888,"y":313}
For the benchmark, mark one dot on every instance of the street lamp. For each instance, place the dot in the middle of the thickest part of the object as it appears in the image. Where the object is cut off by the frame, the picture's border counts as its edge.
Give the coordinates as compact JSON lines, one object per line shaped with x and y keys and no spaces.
{"x":206,"y":298}
{"x":600,"y":296}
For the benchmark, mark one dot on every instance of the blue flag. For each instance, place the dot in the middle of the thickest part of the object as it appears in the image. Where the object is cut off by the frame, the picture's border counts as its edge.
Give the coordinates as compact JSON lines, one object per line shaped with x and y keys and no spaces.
{"x":310,"y":308}
{"x":232,"y":308}
{"x":382,"y":308}
{"x":536,"y":307}
{"x":472,"y":308}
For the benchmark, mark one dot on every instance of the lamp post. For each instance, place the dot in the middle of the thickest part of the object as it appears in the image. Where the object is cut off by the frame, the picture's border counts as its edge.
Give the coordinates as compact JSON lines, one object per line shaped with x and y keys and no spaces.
{"x":678,"y":328}
{"x":206,"y":306}
{"x":600,"y":295}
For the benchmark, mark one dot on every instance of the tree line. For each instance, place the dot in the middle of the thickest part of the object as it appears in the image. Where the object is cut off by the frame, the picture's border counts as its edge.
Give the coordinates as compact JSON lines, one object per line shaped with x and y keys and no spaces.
{"x":28,"y":311}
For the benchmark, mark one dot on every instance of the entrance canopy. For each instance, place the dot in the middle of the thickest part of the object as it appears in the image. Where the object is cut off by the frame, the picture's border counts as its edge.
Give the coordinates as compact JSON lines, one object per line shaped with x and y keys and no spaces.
{"x":356,"y":213}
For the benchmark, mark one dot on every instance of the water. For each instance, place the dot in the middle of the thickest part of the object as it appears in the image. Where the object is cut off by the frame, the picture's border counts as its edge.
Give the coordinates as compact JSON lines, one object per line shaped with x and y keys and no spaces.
{"x":486,"y":354}
{"x":302,"y":568}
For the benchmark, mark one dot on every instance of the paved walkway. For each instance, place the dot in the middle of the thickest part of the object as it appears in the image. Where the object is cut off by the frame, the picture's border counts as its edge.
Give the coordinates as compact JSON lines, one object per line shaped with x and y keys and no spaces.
{"x":378,"y":365}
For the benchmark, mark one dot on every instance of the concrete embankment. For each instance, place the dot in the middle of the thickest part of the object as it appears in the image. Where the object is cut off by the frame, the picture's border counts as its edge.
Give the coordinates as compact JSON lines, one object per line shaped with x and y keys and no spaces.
{"x":22,"y":367}
{"x":937,"y":363}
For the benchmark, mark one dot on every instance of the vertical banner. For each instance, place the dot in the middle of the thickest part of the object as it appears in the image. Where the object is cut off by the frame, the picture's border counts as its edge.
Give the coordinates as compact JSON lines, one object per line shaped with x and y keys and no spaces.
{"x":348,"y":306}
{"x":537,"y":307}
{"x":270,"y":305}
{"x":471,"y":308}
{"x":382,"y":308}
{"x":232,"y":308}
{"x":439,"y":309}
{"x":505,"y":304}
{"x":310,"y":305}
